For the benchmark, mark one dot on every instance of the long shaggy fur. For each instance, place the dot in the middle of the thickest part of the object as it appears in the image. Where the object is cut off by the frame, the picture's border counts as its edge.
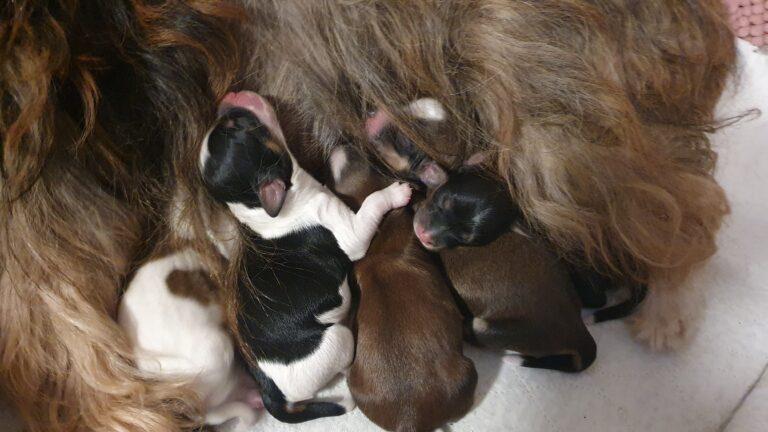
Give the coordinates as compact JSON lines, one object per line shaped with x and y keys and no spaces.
{"x":93,"y":93}
{"x":596,"y":112}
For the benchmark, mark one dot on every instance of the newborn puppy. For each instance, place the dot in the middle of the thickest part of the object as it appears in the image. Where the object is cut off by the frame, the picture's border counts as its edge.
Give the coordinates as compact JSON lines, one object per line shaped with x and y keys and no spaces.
{"x":405,"y":160}
{"x":171,"y":315}
{"x":474,"y":210}
{"x":409,"y":373}
{"x":304,"y":240}
{"x":519,"y":294}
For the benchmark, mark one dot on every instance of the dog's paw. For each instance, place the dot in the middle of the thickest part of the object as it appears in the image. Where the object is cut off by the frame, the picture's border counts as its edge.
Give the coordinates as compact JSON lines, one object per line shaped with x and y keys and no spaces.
{"x":667,"y":319}
{"x":660,"y":334}
{"x":399,"y":194}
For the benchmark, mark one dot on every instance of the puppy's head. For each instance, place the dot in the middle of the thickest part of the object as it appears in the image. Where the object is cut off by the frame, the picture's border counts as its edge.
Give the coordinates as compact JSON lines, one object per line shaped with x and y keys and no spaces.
{"x":400,"y":153}
{"x":244,"y":158}
{"x":468,"y":210}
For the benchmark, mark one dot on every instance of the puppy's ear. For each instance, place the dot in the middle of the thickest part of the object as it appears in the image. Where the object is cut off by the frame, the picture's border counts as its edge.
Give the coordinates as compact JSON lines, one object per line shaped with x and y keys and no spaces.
{"x":432,"y":174}
{"x":272,"y":196}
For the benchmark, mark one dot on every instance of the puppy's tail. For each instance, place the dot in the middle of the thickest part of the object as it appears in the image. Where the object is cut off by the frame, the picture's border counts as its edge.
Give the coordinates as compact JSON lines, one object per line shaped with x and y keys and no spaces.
{"x":279,"y":408}
{"x":637,"y":294}
{"x":580,"y":357}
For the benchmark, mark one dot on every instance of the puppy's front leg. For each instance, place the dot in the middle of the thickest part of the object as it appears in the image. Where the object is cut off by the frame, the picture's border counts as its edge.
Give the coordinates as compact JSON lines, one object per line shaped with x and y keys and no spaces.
{"x":355,"y":236}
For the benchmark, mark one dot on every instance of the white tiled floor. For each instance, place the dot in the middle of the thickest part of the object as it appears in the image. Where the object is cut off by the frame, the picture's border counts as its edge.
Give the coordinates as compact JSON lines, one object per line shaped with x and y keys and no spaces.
{"x":752,"y":416}
{"x":712,"y":385}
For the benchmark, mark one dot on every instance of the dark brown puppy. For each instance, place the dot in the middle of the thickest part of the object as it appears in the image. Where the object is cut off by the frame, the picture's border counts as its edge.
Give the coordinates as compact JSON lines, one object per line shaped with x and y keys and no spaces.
{"x":398,"y":154}
{"x":519,"y":295}
{"x":409,"y":373}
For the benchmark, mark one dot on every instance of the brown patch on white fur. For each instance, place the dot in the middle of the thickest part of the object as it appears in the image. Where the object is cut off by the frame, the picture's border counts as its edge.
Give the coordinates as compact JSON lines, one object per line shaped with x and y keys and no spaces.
{"x":193,"y":284}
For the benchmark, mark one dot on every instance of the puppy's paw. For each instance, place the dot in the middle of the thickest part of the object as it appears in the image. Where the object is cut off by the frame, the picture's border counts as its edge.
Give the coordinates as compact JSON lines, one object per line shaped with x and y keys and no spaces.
{"x":667,"y":318}
{"x":399,"y":194}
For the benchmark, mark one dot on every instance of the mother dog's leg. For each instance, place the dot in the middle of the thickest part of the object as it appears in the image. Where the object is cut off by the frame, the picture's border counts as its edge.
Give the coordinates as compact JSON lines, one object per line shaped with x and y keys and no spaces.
{"x":65,"y":246}
{"x":670,"y":313}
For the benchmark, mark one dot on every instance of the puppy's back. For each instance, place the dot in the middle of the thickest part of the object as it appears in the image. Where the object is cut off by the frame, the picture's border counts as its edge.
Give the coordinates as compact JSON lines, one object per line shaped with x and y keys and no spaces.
{"x":514,"y":276}
{"x":172,"y":315}
{"x":409,"y":373}
{"x":521,"y":298}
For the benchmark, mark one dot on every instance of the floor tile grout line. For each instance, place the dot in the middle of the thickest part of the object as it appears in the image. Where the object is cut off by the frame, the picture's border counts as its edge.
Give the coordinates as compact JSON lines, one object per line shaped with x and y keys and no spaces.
{"x":738,"y":406}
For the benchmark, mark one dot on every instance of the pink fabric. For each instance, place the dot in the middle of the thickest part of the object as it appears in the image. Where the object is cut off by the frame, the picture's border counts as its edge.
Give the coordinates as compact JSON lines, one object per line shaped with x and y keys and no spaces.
{"x":749,"y":20}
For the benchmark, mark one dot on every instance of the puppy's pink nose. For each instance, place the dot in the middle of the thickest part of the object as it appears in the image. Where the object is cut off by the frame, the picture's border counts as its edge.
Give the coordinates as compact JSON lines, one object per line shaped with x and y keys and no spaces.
{"x":423,"y":235}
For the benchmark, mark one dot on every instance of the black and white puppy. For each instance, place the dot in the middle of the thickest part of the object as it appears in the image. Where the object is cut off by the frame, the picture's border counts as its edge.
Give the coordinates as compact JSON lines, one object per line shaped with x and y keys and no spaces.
{"x":304,"y":241}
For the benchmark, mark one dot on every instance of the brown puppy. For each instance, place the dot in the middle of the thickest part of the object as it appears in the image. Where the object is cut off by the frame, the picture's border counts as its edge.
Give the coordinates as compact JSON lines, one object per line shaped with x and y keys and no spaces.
{"x":409,"y":373}
{"x":520,"y":294}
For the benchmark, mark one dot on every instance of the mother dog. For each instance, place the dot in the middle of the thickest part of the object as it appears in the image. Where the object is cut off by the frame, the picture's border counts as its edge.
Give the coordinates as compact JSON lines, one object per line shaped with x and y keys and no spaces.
{"x":595,"y":112}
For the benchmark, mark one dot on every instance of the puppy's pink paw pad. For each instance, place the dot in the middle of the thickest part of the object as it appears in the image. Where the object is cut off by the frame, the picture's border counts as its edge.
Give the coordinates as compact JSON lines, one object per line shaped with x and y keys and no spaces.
{"x":399,"y":194}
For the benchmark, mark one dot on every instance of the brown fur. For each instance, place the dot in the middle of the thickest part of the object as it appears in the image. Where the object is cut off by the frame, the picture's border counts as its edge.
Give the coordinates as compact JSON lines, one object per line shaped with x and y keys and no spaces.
{"x":528,"y":304}
{"x":196,"y":285}
{"x":596,"y":109}
{"x":83,"y":145}
{"x":409,"y":373}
